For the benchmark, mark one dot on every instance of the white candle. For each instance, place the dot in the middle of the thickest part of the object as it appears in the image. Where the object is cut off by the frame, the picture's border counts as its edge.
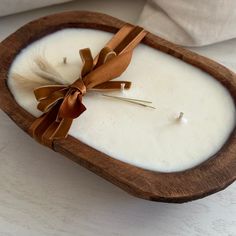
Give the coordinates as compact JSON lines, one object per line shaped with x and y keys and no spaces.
{"x":145,"y":137}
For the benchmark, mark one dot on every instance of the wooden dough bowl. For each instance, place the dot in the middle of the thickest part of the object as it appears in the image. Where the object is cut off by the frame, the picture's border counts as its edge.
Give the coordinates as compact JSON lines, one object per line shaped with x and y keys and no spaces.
{"x":209,"y":177}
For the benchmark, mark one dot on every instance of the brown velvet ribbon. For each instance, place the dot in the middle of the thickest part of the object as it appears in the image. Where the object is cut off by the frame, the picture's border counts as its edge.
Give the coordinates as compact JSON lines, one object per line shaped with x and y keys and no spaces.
{"x":61,"y":104}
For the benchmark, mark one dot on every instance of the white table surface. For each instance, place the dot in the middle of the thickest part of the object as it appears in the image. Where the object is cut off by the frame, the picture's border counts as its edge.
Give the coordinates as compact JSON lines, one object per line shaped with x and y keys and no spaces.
{"x":43,"y":193}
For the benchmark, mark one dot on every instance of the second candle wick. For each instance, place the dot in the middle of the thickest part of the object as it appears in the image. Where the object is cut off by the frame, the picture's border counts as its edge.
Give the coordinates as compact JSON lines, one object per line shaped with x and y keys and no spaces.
{"x":64,"y":60}
{"x":181,"y":118}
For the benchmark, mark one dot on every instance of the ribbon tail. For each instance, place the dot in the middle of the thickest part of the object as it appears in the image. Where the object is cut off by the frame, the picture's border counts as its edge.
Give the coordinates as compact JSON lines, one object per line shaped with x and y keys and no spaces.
{"x":119,"y":36}
{"x":53,"y":125}
{"x":57,"y":130}
{"x":63,"y":129}
{"x":131,"y":40}
{"x":40,"y":126}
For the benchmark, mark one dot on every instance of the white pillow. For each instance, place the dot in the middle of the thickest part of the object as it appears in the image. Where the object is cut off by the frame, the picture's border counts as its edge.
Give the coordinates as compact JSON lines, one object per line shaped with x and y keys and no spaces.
{"x":13,"y":6}
{"x":191,"y":22}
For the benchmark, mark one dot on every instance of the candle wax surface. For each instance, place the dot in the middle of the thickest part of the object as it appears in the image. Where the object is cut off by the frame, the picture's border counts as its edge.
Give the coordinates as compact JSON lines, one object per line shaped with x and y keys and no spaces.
{"x":149,"y":138}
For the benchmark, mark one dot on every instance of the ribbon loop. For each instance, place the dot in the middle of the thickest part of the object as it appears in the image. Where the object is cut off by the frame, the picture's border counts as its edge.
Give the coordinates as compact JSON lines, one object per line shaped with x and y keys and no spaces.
{"x":87,"y":59}
{"x":61,"y":104}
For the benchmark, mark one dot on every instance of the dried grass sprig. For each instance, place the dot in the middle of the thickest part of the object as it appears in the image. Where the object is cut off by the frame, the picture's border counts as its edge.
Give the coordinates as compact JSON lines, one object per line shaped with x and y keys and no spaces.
{"x":46,"y":71}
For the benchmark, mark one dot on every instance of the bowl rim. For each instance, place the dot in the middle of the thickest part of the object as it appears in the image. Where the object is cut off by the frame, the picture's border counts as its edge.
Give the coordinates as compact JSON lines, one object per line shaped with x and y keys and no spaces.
{"x":211,"y":176}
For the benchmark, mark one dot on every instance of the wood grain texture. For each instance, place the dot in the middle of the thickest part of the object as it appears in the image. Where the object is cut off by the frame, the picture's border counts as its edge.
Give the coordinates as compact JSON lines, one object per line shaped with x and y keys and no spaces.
{"x":209,"y":177}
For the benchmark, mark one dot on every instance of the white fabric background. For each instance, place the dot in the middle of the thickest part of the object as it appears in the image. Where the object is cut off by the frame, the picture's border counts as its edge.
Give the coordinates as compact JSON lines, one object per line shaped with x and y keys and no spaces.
{"x":191,"y":22}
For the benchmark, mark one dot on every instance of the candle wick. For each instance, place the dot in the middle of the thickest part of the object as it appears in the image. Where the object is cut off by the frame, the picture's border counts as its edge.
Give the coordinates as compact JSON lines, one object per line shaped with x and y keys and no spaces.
{"x":181,"y":115}
{"x":64,"y":60}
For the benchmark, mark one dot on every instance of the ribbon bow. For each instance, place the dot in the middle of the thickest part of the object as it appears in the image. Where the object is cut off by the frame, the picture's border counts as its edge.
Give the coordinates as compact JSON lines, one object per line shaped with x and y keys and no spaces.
{"x":61,"y":104}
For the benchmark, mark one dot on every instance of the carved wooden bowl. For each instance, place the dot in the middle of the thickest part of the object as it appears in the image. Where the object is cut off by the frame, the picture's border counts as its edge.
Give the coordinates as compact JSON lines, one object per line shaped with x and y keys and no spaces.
{"x":209,"y":177}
